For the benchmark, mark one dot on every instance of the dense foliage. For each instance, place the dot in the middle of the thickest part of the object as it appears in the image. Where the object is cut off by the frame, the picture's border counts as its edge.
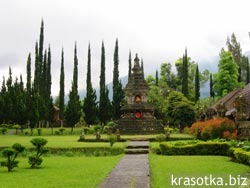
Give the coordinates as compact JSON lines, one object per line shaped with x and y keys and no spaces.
{"x":226,"y":80}
{"x":179,"y":110}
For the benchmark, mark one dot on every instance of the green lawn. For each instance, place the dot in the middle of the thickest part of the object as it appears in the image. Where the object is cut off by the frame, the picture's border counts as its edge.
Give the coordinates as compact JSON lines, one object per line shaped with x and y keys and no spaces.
{"x":163,"y":167}
{"x":68,"y":141}
{"x":59,"y":172}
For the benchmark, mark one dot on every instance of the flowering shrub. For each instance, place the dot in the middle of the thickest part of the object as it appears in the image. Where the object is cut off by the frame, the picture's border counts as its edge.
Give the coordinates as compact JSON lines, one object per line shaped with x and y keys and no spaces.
{"x":214,"y":128}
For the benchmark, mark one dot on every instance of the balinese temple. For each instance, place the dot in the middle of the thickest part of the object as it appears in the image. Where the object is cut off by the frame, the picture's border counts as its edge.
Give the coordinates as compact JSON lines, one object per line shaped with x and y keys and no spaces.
{"x":138,"y":115}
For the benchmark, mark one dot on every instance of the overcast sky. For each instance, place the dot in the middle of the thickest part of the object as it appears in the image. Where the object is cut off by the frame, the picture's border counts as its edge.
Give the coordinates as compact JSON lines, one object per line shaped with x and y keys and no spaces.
{"x":158,"y":30}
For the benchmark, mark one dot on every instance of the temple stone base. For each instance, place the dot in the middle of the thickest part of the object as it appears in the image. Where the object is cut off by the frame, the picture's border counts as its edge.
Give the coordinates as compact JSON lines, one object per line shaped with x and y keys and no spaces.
{"x":140,"y":126}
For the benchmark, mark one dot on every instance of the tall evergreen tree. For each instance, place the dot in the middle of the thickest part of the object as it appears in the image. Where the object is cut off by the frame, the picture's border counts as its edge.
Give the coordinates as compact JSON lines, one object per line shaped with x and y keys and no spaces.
{"x":129,"y":65}
{"x":19,"y":103}
{"x":48,"y":76}
{"x":197,"y":84}
{"x":116,"y":69}
{"x":142,"y":67}
{"x":73,"y":110}
{"x":3,"y":89}
{"x":156,"y":78}
{"x":211,"y":83}
{"x":41,"y":40}
{"x":48,"y":98}
{"x":39,"y":62}
{"x":247,"y":72}
{"x":62,"y":88}
{"x":89,"y":108}
{"x":28,"y":70}
{"x":104,"y":102}
{"x":2,"y":101}
{"x":42,"y":90}
{"x":28,"y":89}
{"x":118,"y":93}
{"x":43,"y":77}
{"x":37,"y":70}
{"x":9,"y":96}
{"x":34,"y":111}
{"x":185,"y":75}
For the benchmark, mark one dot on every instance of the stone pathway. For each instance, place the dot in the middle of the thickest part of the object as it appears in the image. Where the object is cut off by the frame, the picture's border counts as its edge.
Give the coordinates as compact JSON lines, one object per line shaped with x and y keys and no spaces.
{"x":133,"y":169}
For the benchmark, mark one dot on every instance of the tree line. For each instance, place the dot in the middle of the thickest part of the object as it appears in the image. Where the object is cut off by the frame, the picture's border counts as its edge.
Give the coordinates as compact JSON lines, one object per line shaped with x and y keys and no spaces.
{"x":33,"y":105}
{"x":175,"y":94}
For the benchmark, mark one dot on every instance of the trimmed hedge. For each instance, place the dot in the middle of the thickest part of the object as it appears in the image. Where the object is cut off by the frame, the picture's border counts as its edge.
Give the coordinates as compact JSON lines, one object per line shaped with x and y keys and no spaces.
{"x":93,"y":151}
{"x":241,"y":156}
{"x":100,"y":140}
{"x":204,"y":148}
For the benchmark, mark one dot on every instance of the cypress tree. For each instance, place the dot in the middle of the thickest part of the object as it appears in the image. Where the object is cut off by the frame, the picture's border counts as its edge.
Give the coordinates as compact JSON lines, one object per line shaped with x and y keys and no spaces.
{"x":211,"y":83}
{"x":89,"y":108}
{"x":48,"y":98}
{"x":116,"y":64}
{"x":34,"y":111}
{"x":28,"y":70}
{"x":38,"y":78}
{"x":43,"y":78}
{"x":19,"y":103}
{"x":142,"y":67}
{"x":118,"y":93}
{"x":247,"y":71}
{"x":28,"y":89}
{"x":37,"y":70}
{"x":185,"y":75}
{"x":3,"y":102}
{"x":41,"y":39}
{"x":42,"y":90}
{"x":48,"y":76}
{"x":129,"y":65}
{"x":156,"y":78}
{"x":197,"y":84}
{"x":3,"y":89}
{"x":104,"y":103}
{"x":73,"y":110}
{"x":9,"y":97}
{"x":62,"y":91}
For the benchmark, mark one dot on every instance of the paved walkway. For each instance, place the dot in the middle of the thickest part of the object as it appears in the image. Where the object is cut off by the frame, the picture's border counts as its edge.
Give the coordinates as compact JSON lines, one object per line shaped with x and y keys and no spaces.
{"x":131,"y":172}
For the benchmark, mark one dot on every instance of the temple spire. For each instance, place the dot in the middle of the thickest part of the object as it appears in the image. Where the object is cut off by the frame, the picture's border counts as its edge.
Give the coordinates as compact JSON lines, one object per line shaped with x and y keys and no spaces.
{"x":136,"y":61}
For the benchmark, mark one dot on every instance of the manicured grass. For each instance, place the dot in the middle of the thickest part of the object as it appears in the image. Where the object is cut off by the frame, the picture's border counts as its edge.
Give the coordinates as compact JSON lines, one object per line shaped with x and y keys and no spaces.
{"x":68,"y":141}
{"x":162,"y":167}
{"x":59,"y":172}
